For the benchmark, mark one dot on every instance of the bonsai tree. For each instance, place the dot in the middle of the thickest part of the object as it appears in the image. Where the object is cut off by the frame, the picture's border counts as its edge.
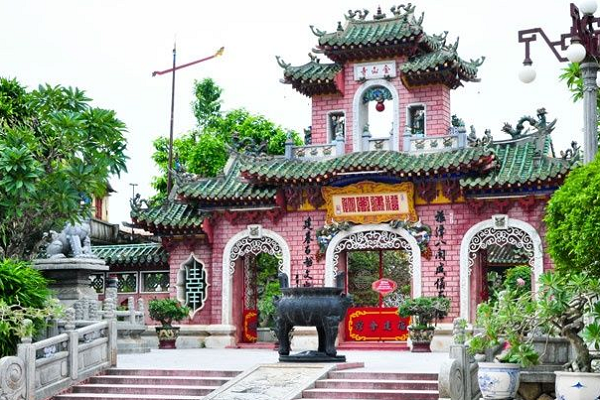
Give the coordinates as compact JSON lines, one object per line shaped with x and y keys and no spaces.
{"x":166,"y":311}
{"x":504,"y":325}
{"x":569,"y":304}
{"x":425,"y":311}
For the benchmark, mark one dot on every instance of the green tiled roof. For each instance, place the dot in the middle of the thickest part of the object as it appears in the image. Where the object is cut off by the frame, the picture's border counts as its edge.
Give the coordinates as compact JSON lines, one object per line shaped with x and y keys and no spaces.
{"x":312,"y":72}
{"x":311,"y":78}
{"x":389,"y":162}
{"x":441,"y":66}
{"x":144,"y":254}
{"x":506,"y":255}
{"x":230,"y":187}
{"x":520,"y":164}
{"x":372,"y":32}
{"x":171,"y":217}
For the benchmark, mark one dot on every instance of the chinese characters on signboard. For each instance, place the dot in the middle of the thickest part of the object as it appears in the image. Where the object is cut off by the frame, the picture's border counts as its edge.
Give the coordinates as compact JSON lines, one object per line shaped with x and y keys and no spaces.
{"x":440,"y":253}
{"x":378,"y":324}
{"x":369,"y":202}
{"x":375,"y":70}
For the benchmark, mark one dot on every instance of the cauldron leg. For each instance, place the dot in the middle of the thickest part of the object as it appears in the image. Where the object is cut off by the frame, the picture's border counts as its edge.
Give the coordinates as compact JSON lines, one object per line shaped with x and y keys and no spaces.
{"x":322,"y":339}
{"x":331,"y":331}
{"x":283,"y":335}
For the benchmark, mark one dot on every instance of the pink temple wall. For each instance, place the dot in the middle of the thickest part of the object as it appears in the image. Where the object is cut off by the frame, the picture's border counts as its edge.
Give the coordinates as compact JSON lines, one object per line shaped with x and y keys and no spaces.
{"x":459,"y":218}
{"x":435,"y":97}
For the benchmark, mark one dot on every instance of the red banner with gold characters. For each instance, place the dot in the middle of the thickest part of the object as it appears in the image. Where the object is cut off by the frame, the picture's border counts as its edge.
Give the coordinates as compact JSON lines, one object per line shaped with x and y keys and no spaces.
{"x":370,"y":202}
{"x":250,"y":333}
{"x":376,"y":324}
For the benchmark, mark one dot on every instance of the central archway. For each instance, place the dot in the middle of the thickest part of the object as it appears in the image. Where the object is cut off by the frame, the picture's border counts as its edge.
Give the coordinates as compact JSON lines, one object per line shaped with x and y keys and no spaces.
{"x":244,"y":243}
{"x":371,"y":236}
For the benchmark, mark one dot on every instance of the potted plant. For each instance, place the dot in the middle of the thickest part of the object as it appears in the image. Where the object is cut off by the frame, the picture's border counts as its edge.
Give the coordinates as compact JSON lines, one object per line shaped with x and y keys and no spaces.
{"x":425,"y":312}
{"x":166,"y":311}
{"x":569,"y":303}
{"x":504,"y":324}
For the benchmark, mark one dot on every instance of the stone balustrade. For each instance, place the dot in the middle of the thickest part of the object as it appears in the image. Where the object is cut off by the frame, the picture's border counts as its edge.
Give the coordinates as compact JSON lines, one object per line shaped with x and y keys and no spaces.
{"x":44,"y":368}
{"x":456,"y":139}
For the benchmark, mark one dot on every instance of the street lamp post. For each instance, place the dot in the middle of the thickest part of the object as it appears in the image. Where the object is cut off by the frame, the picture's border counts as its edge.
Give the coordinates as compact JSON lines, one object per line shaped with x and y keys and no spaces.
{"x":583,"y":49}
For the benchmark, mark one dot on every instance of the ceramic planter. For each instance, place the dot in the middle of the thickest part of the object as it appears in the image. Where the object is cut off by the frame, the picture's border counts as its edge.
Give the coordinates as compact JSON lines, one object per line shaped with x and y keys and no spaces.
{"x":421,"y":339}
{"x":577,"y":385}
{"x":498,"y":381}
{"x":167,"y":336}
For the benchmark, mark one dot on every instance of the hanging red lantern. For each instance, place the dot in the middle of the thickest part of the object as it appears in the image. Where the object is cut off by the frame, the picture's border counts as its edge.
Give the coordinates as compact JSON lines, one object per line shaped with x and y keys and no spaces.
{"x":380,"y":106}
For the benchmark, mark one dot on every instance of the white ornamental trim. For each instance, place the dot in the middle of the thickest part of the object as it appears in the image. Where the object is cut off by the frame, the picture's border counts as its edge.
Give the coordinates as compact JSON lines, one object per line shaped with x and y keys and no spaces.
{"x":374,"y":236}
{"x":240,"y":245}
{"x":516,"y":233}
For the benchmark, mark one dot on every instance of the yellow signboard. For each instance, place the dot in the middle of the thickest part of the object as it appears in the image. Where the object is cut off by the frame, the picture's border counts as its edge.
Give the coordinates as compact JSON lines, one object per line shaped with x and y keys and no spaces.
{"x":370,"y":202}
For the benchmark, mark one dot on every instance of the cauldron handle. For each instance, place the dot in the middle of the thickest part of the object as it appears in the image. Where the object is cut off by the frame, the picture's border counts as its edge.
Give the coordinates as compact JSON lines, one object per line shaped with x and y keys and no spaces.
{"x":284,"y":281}
{"x":340,"y":280}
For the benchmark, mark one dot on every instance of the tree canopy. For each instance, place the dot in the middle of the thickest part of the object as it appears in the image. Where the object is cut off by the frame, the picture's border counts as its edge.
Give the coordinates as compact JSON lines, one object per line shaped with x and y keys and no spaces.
{"x":205,"y":150}
{"x":572,"y":216}
{"x":56,"y":151}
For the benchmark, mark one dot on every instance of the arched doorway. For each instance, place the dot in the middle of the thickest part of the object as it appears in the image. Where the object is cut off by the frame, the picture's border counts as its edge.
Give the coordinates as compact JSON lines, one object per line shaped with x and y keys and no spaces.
{"x":361,"y":114}
{"x":251,"y":242}
{"x":499,"y":231}
{"x":378,"y":321}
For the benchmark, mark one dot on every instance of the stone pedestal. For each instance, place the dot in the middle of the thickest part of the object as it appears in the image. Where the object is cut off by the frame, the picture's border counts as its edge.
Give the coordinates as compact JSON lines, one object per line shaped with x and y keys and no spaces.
{"x":69,"y":277}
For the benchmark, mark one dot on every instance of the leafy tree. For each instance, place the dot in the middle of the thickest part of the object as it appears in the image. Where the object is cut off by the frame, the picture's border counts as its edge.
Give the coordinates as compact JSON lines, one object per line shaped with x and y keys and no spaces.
{"x":572,"y":76}
{"x":56,"y":151}
{"x":572,"y":216}
{"x":205,"y":151}
{"x":23,"y":294}
{"x":207,"y":105}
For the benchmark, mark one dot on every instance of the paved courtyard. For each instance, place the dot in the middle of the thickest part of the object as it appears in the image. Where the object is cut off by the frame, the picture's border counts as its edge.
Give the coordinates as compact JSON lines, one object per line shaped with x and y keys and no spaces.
{"x":242,"y":359}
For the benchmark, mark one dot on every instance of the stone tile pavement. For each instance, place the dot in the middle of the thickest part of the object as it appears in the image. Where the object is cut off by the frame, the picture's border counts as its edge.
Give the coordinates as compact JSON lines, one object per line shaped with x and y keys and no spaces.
{"x":242,"y":359}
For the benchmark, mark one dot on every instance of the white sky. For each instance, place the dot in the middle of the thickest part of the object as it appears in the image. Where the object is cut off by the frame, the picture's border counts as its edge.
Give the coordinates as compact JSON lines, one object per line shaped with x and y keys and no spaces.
{"x":110,"y":48}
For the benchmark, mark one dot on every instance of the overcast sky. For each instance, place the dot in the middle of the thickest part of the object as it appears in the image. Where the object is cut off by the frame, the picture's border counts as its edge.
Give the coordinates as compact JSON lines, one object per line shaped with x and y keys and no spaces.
{"x":110,"y":48}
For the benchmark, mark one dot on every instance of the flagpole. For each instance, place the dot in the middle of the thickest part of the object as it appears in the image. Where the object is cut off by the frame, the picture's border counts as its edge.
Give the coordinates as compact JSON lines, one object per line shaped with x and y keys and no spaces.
{"x":170,"y":166}
{"x":175,"y":68}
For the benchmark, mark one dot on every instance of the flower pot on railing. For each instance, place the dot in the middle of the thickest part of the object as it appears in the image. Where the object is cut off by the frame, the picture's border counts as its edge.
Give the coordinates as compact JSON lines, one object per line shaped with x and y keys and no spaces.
{"x":498,"y":381}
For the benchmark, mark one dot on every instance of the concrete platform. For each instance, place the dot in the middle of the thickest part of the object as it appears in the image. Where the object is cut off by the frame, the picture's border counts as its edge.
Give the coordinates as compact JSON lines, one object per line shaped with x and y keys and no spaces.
{"x":243,"y":359}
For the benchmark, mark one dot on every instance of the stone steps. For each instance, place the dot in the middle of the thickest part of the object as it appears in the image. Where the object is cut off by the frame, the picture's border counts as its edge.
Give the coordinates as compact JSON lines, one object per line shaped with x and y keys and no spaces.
{"x":149,"y":384}
{"x":374,"y":385}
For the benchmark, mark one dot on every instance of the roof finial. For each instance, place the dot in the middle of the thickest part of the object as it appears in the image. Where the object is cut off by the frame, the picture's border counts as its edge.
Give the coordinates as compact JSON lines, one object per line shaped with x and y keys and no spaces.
{"x":379,"y":14}
{"x":362,"y":14}
{"x":340,"y":28}
{"x":316,"y":31}
{"x":313,"y":58}
{"x":282,"y":63}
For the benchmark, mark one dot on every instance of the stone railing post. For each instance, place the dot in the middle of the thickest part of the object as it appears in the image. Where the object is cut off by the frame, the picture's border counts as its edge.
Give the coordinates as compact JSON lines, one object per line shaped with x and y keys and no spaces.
{"x":131,"y":308}
{"x":26,"y":352}
{"x":13,"y":381}
{"x":110,"y":316}
{"x":142,"y":311}
{"x":73,"y":343}
{"x":289,"y":146}
{"x":456,"y":378}
{"x":366,"y":135}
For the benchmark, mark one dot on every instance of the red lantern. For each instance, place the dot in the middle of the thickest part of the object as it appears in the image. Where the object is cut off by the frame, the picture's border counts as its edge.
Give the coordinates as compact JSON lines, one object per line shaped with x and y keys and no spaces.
{"x":380,"y":106}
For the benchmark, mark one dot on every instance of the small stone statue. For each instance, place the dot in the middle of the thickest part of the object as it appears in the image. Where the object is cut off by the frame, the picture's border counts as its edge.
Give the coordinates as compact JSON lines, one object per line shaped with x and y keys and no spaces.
{"x":72,"y":241}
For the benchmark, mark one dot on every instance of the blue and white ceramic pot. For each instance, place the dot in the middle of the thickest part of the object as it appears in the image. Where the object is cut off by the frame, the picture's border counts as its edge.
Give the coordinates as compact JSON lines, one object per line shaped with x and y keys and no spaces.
{"x":577,"y":385}
{"x":498,"y":381}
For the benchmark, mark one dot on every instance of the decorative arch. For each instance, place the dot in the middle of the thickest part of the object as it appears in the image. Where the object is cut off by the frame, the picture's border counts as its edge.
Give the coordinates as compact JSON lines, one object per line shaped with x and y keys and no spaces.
{"x":241,"y":244}
{"x":369,"y":236}
{"x":513,"y":232}
{"x":359,"y":112}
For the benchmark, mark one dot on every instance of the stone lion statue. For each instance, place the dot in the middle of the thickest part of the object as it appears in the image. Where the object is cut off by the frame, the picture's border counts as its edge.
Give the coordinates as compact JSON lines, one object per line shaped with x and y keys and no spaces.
{"x":72,"y":241}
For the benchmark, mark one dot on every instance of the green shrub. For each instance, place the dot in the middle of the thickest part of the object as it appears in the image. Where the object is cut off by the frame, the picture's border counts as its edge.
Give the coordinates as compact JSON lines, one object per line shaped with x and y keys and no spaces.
{"x":518,"y":279}
{"x":24,"y":294}
{"x":166,"y":311}
{"x":572,"y":216}
{"x":426,"y":311}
